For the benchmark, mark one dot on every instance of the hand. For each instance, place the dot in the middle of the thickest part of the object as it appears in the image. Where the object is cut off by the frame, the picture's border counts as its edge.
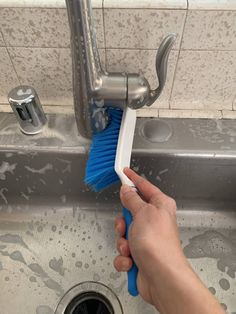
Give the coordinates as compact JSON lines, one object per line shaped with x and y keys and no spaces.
{"x":165,"y":278}
{"x":153,"y":235}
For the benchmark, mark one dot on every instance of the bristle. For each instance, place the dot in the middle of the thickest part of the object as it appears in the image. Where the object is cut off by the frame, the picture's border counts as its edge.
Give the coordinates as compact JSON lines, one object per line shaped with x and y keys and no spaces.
{"x":100,"y":169}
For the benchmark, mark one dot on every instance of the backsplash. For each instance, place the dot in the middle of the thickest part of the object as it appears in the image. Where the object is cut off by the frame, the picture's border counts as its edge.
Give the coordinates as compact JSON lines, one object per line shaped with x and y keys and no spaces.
{"x":34,"y":50}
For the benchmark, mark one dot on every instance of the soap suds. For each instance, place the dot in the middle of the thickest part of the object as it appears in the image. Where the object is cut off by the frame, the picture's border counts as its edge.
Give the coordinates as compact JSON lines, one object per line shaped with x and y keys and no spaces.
{"x":6,"y":167}
{"x":224,"y":284}
{"x":14,"y":239}
{"x":44,"y":309}
{"x":67,"y":165}
{"x":41,"y":170}
{"x":2,"y":191}
{"x":57,"y":265}
{"x":215,"y":245}
{"x":163,"y":171}
{"x":49,"y":282}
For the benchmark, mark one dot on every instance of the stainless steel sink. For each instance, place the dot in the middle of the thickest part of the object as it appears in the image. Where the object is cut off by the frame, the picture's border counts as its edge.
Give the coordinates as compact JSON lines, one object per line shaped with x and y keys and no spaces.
{"x":57,"y":236}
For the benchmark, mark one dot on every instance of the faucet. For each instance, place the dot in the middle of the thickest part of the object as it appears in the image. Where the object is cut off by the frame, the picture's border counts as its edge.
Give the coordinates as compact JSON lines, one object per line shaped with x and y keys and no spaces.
{"x":95,"y":89}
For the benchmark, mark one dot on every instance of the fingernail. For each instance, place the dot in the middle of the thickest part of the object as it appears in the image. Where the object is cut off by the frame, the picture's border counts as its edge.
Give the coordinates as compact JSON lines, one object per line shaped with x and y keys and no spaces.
{"x":125,"y":264}
{"x":125,"y":188}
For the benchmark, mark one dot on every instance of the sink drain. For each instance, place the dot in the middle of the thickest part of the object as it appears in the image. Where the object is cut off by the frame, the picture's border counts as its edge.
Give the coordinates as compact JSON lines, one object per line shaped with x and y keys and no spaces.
{"x":89,"y":302}
{"x":89,"y":298}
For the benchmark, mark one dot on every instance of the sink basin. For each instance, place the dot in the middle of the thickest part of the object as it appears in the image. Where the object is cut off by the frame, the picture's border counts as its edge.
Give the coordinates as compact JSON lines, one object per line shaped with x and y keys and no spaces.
{"x":57,"y":236}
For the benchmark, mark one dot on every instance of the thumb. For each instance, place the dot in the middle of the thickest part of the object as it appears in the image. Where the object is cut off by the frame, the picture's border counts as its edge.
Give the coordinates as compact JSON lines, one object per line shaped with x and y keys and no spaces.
{"x":130,"y":199}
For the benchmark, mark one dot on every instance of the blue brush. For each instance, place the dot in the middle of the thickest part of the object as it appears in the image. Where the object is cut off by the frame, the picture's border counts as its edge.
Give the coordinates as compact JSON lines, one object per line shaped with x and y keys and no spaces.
{"x":100,"y":169}
{"x":110,"y":153}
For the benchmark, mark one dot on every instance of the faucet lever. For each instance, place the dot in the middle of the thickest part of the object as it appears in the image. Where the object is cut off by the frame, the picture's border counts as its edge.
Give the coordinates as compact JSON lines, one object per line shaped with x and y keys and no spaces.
{"x":139,"y":93}
{"x":162,"y":58}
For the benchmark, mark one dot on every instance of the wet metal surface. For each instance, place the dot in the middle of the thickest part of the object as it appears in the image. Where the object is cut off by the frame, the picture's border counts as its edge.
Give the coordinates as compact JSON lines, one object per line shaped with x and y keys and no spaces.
{"x":55,"y":234}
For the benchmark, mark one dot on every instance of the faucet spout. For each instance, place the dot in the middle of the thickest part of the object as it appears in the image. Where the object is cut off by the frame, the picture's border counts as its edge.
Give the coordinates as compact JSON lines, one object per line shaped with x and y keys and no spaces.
{"x":86,"y":64}
{"x":83,"y":37}
{"x":93,"y":88}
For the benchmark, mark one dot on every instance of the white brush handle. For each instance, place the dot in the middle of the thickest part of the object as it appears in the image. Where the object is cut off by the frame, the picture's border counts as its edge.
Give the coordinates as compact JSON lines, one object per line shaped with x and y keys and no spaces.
{"x":123,"y":156}
{"x":125,"y":143}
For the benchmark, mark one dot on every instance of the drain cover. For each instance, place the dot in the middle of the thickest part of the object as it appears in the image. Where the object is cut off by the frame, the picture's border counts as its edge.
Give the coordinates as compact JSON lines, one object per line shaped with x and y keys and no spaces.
{"x":89,"y":298}
{"x":156,"y":131}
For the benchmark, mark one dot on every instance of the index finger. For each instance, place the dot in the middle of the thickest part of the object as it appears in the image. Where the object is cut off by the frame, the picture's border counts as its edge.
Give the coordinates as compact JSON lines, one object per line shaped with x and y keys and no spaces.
{"x":147,"y":189}
{"x":131,"y":200}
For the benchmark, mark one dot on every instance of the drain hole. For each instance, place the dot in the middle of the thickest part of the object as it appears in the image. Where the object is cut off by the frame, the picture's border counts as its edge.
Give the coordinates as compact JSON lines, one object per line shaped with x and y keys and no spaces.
{"x":89,"y":303}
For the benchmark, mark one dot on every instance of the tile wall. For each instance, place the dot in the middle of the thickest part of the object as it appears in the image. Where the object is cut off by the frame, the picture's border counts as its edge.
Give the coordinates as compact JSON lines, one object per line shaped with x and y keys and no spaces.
{"x":34,"y":49}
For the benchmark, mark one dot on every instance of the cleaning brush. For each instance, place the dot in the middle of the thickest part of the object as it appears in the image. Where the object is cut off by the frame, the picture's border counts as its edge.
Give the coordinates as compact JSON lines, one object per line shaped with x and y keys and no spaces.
{"x":100,"y":169}
{"x":110,"y":153}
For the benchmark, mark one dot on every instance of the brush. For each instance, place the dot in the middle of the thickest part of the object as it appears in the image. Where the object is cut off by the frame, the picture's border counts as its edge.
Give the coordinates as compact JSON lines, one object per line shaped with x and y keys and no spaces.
{"x":123,"y":157}
{"x":110,"y":153}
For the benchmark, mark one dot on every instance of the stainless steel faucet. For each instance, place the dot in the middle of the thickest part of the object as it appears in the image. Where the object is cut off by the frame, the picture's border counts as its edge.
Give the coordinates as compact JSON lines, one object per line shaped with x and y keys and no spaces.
{"x":95,"y":89}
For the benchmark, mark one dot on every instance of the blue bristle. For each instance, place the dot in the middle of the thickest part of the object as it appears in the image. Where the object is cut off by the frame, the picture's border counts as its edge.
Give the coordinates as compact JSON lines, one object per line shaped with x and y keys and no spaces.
{"x":100,"y":172}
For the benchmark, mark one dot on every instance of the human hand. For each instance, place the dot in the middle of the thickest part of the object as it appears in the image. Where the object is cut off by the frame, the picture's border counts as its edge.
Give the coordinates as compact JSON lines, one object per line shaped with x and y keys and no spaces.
{"x":153,"y":235}
{"x":165,"y":278}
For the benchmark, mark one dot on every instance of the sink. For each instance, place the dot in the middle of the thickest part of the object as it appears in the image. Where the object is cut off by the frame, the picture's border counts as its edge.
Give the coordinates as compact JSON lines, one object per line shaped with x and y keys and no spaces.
{"x":57,"y":238}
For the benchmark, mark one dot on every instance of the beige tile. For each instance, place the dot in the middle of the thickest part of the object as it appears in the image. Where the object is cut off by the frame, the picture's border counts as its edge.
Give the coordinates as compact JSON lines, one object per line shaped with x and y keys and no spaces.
{"x":217,"y":30}
{"x":46,"y":109}
{"x":48,"y":70}
{"x":135,"y":28}
{"x":144,"y":4}
{"x":212,"y":4}
{"x":204,"y":80}
{"x":207,"y":114}
{"x":147,"y":112}
{"x":41,"y":3}
{"x":8,"y":78}
{"x":58,"y":109}
{"x":102,"y":56}
{"x":142,"y":61}
{"x":234,"y":103}
{"x":229,"y":114}
{"x":1,"y":40}
{"x":38,"y":27}
{"x":5,"y":108}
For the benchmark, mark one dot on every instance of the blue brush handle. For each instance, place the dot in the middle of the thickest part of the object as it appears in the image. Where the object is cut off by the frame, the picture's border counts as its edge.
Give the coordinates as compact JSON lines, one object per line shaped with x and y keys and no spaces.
{"x":133,"y":272}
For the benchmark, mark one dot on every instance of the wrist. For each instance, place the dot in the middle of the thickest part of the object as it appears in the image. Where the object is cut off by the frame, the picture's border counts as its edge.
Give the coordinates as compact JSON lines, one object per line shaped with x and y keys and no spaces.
{"x":175,"y":285}
{"x":161,"y":263}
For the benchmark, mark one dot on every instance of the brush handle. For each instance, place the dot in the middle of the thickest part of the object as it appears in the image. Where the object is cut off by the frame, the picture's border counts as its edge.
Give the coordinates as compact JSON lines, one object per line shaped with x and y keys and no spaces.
{"x":133,"y":272}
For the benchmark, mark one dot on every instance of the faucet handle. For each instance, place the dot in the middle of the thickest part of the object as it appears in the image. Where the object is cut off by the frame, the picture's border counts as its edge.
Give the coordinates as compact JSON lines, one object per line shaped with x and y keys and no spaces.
{"x":162,"y":58}
{"x":139,"y":91}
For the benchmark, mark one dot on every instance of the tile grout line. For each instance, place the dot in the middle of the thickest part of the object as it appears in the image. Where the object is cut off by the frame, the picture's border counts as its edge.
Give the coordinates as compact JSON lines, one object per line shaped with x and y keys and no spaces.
{"x":41,"y":8}
{"x":177,"y":62}
{"x":13,"y":66}
{"x":70,"y":107}
{"x":123,"y":8}
{"x":117,"y":8}
{"x":118,"y":48}
{"x":154,"y":49}
{"x":172,"y":9}
{"x":233,"y":101}
{"x":104,"y":33}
